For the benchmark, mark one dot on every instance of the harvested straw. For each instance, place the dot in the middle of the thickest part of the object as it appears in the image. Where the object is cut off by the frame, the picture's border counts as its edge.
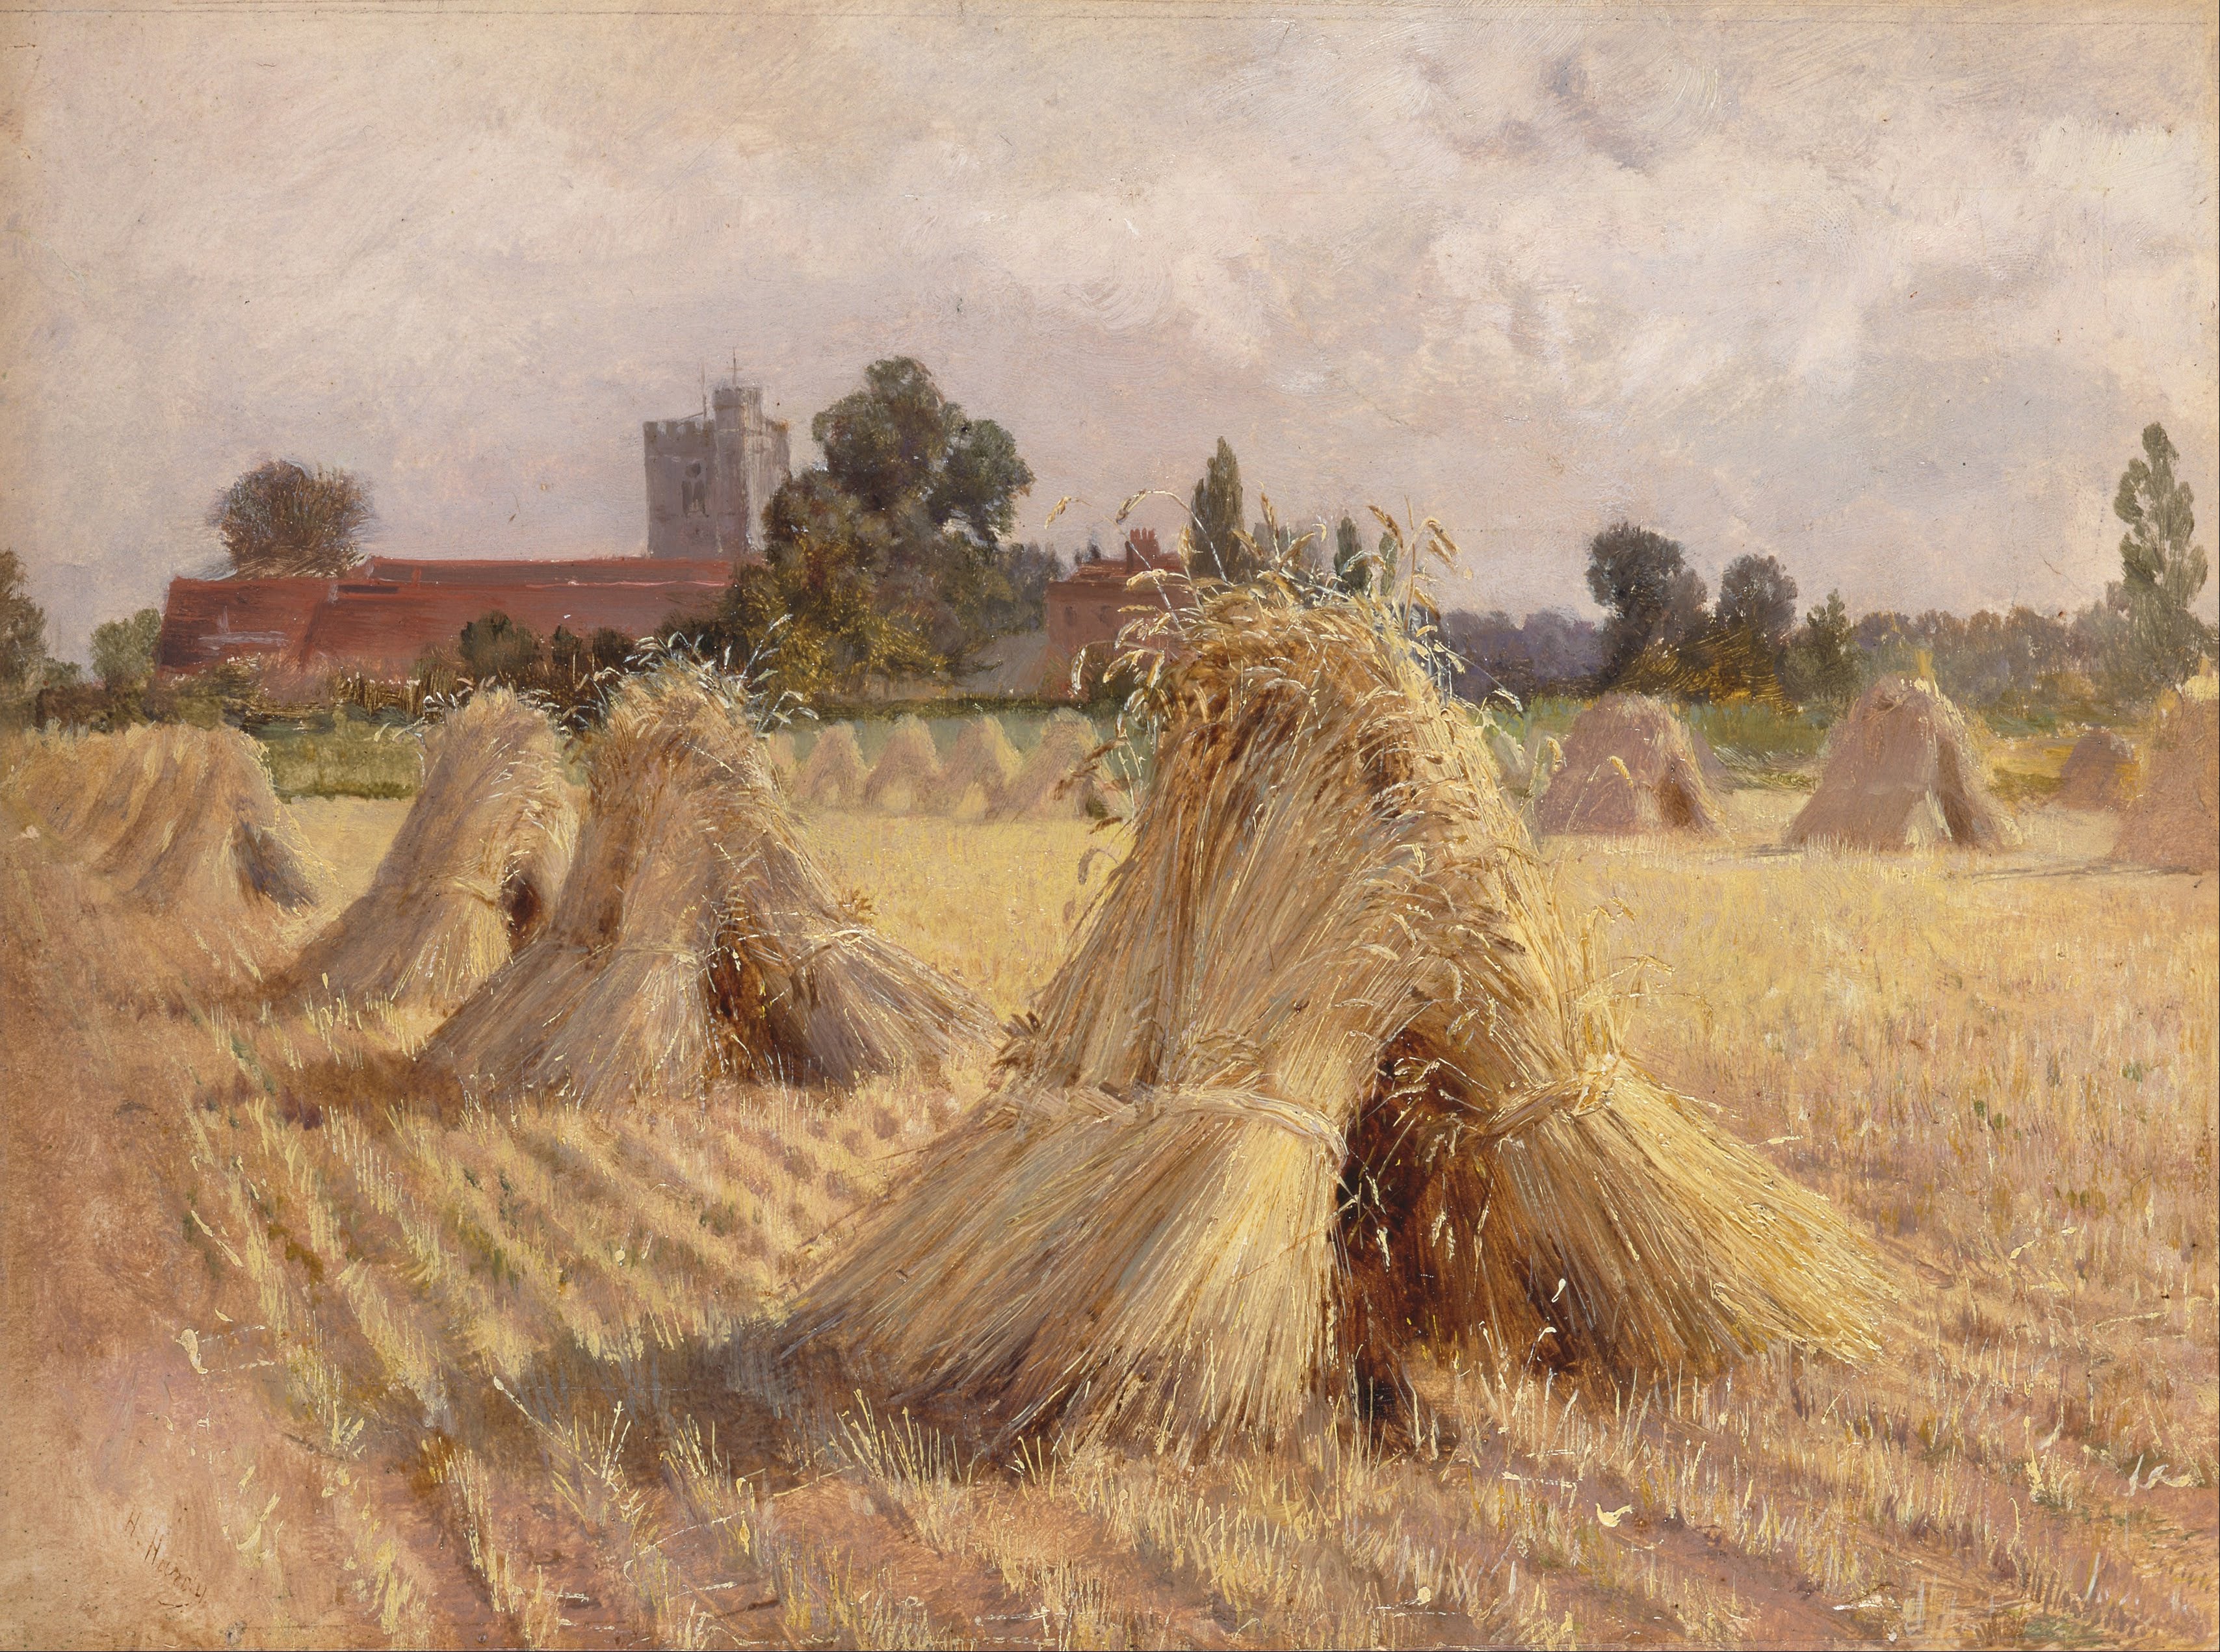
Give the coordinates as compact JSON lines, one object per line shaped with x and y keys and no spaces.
{"x":472,"y":871}
{"x":779,"y":758}
{"x":1329,"y":969}
{"x":2099,"y":773}
{"x":190,"y":875}
{"x":907,"y":773}
{"x":833,"y":774}
{"x":1050,"y":785}
{"x":1629,"y":767}
{"x":2176,"y":822}
{"x":1901,"y":774}
{"x":174,"y":819}
{"x":979,"y":769}
{"x":1601,"y":1218}
{"x":1717,"y":774}
{"x":1545,"y":761}
{"x":694,"y":937}
{"x":1514,"y":770}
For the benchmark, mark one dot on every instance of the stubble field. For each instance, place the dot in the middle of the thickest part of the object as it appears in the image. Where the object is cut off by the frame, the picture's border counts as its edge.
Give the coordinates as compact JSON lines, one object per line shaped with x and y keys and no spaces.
{"x":295,"y":1357}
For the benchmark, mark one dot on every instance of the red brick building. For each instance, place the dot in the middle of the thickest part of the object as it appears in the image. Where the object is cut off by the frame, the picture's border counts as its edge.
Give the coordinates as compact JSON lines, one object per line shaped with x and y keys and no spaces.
{"x":381,"y":616}
{"x":1089,"y":608}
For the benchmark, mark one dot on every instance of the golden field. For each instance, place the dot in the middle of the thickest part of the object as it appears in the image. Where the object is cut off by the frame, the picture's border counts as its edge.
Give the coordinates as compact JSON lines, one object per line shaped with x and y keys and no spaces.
{"x":295,"y":1357}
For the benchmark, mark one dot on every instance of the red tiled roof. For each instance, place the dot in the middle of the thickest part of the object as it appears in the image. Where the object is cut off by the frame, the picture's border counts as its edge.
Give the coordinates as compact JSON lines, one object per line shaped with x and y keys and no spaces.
{"x":383,"y":615}
{"x":1089,"y":608}
{"x":1139,"y":554}
{"x":206,"y":620}
{"x":599,"y":571}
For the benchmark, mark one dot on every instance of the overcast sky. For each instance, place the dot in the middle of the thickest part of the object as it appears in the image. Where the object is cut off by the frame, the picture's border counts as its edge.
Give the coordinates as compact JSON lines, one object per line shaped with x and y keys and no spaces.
{"x":1889,"y":292}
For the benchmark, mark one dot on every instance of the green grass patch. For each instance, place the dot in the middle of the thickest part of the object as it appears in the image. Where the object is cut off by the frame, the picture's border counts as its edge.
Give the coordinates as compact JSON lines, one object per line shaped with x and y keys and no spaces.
{"x":339,"y":755}
{"x":1754,"y":740}
{"x":1552,"y":715}
{"x":1758,"y":736}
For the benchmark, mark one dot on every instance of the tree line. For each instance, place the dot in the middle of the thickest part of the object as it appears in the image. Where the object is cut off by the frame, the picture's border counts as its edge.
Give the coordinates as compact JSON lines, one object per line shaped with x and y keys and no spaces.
{"x":1663,"y":633}
{"x":893,"y":558}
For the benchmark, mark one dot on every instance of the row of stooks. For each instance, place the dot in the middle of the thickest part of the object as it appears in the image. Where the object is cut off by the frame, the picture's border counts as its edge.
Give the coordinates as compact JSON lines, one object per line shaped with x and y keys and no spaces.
{"x":1901,"y":772}
{"x":1326,"y":1076}
{"x":984,"y":776}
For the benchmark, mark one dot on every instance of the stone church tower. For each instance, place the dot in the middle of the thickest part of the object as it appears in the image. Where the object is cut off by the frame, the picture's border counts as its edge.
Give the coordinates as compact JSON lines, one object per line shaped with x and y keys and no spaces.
{"x":709,"y":476}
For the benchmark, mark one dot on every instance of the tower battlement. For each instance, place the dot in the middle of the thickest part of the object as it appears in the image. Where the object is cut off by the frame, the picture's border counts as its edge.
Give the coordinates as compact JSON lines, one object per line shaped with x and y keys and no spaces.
{"x":710,"y":475}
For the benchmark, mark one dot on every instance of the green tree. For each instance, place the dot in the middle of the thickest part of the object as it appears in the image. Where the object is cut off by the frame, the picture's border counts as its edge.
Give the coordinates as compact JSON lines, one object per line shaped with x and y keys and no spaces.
{"x":282,"y":518}
{"x":22,"y":628}
{"x":2161,"y":571}
{"x":925,"y":494}
{"x":123,"y":650}
{"x":811,"y":618}
{"x":885,"y":442}
{"x":1820,"y":665}
{"x":1757,"y":595}
{"x":1350,"y":571}
{"x":1271,"y":540}
{"x":1028,"y":570}
{"x":979,"y":481}
{"x":495,"y":649}
{"x":897,"y":446}
{"x":1214,"y":519}
{"x":1651,"y":596}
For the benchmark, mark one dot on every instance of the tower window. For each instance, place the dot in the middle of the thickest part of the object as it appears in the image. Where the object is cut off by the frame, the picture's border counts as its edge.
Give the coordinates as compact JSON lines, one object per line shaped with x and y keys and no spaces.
{"x":693,"y":491}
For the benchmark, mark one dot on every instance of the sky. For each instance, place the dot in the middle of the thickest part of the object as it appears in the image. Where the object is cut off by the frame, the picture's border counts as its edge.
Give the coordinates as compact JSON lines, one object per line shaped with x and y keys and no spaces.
{"x":1888,"y":291}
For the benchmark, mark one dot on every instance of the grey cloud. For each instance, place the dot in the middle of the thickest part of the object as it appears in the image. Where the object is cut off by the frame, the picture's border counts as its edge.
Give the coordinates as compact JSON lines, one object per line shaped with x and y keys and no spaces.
{"x":1892,"y":299}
